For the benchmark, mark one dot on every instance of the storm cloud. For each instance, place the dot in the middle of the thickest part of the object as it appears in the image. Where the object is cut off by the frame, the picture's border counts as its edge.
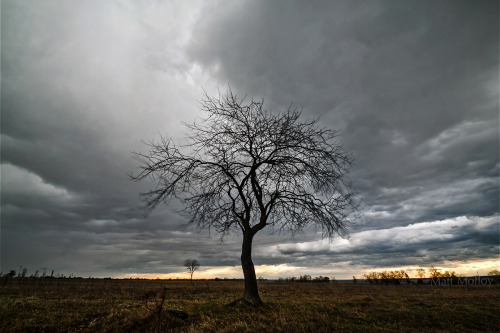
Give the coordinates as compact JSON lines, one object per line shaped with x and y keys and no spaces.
{"x":413,"y":86}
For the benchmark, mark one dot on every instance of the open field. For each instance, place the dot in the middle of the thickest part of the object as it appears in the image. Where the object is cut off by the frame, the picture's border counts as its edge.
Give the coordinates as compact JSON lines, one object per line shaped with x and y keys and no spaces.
{"x":86,"y":305}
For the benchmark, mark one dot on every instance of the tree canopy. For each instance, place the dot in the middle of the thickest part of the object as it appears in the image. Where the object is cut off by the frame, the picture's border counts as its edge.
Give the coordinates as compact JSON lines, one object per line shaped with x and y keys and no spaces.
{"x":245,"y":168}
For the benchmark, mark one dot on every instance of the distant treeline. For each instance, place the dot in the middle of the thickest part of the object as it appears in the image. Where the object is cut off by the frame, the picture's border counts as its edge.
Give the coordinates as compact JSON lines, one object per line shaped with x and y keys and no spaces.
{"x":307,"y":278}
{"x":430,"y":275}
{"x":434,"y":276}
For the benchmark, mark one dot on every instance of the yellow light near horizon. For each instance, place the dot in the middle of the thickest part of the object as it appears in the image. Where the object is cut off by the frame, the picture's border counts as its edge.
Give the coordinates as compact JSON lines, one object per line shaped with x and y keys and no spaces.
{"x":214,"y":272}
{"x":466,"y":268}
{"x":274,"y":270}
{"x":481,"y":267}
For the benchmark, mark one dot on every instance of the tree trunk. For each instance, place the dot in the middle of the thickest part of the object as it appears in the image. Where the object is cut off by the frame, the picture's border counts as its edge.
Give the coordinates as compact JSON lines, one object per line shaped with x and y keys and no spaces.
{"x":251,"y":290}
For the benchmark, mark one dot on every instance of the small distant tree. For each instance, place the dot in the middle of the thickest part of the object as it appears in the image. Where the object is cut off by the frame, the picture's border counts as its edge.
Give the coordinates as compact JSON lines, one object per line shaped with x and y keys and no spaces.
{"x":494,"y":272}
{"x":321,"y":279}
{"x":305,"y":278}
{"x":434,"y":272}
{"x":372,"y":277}
{"x":384,"y":277}
{"x":191,"y":265}
{"x":407,"y":278}
{"x":448,"y":274}
{"x":420,"y":273}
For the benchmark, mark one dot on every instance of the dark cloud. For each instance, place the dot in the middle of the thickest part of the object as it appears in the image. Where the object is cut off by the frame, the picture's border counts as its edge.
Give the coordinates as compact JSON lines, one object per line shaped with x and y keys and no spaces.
{"x":413,"y":85}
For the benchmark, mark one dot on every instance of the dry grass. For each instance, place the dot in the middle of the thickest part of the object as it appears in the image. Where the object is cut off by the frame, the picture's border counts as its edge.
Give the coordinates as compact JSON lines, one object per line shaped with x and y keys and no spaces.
{"x":45,"y":305}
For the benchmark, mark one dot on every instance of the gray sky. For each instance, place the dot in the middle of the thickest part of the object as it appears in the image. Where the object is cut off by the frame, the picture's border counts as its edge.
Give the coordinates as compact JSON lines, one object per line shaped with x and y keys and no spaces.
{"x":412,"y":85}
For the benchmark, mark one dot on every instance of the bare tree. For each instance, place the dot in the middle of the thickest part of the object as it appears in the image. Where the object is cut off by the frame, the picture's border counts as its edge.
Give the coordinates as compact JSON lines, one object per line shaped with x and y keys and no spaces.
{"x":494,"y":272}
{"x":421,"y":273}
{"x":191,"y":265}
{"x":244,"y":168}
{"x":434,"y":272}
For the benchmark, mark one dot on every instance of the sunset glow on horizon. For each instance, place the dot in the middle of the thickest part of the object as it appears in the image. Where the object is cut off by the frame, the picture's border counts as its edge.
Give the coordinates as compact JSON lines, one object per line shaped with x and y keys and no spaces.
{"x":481,"y":268}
